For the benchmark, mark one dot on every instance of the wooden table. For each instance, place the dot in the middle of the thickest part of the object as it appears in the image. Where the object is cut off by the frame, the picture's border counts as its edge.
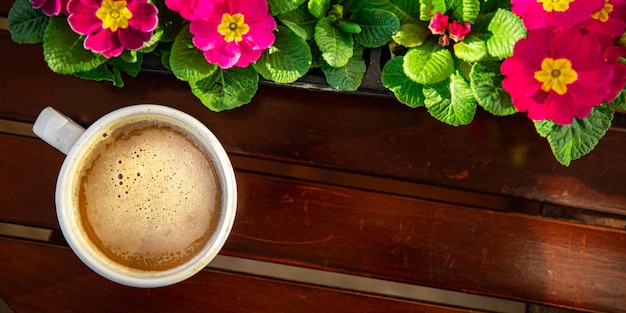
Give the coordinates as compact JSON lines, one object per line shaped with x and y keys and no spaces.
{"x":359,"y":187}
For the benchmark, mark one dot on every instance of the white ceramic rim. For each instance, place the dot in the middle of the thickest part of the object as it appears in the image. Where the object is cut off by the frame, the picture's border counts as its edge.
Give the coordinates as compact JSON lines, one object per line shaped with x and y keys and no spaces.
{"x":70,"y":222}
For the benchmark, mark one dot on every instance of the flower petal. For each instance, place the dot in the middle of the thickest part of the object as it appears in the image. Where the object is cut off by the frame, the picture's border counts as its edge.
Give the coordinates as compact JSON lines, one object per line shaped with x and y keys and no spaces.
{"x":82,"y":18}
{"x":103,"y":41}
{"x":144,"y":16}
{"x":558,"y":109}
{"x":252,"y":9}
{"x":535,"y":16}
{"x":192,"y":9}
{"x":132,"y":39}
{"x":587,"y":52}
{"x":618,"y":82}
{"x":260,"y":39}
{"x":205,"y":35}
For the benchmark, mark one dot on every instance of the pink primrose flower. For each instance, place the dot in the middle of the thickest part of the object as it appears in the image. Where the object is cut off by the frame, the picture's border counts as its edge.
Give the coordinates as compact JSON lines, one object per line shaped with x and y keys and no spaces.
{"x":557,"y":75}
{"x":192,"y":9}
{"x":51,"y":7}
{"x":113,"y":25}
{"x":561,"y":14}
{"x":609,"y":20}
{"x":438,"y":24}
{"x":459,"y":30}
{"x":235,"y":33}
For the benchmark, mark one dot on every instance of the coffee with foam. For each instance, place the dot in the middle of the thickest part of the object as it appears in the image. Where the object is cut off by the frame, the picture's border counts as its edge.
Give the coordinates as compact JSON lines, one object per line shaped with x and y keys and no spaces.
{"x":148,"y":195}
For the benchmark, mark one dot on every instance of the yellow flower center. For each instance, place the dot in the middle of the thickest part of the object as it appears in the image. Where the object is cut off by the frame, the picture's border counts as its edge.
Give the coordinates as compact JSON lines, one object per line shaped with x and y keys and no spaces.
{"x":603,"y":14}
{"x":233,"y":27}
{"x":556,"y":75}
{"x":114,"y":14}
{"x":555,"y":5}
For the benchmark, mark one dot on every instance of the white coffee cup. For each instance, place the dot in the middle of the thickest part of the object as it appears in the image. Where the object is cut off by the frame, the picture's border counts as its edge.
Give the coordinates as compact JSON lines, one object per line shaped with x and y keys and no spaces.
{"x":76,"y":142}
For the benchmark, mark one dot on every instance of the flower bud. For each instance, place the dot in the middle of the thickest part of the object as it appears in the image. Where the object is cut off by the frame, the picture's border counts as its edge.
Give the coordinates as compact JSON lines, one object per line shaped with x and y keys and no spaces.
{"x":458,"y":30}
{"x":438,"y":24}
{"x":444,"y":40}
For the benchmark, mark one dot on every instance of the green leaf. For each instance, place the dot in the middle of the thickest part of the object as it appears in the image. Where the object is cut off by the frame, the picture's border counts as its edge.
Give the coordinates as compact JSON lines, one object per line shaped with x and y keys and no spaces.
{"x":63,"y":49}
{"x":226,"y":89}
{"x":451,"y":101}
{"x":281,"y":6}
{"x":619,"y":102}
{"x":377,"y":27}
{"x":128,"y":56}
{"x":336,"y":46}
{"x":405,"y":10}
{"x":452,"y":4}
{"x":471,"y":49}
{"x":544,"y":127}
{"x":318,"y":8}
{"x":429,"y":7}
{"x":486,"y":84}
{"x":573,"y":141}
{"x":348,"y":27}
{"x":466,"y":10}
{"x":345,"y":78}
{"x":153,"y":43}
{"x":412,"y":35}
{"x":506,"y":29}
{"x":186,"y":61}
{"x":288,"y":59}
{"x":300,"y":21}
{"x":428,"y":64}
{"x":103,"y":72}
{"x":489,"y":6}
{"x":129,"y":62}
{"x":405,"y":90}
{"x":26,"y":24}
{"x":165,"y":57}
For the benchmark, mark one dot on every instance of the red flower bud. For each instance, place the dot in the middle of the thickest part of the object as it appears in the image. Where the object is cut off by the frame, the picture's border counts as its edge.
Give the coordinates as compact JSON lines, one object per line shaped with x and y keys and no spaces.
{"x":444,"y":40}
{"x":458,"y":30}
{"x":438,"y":24}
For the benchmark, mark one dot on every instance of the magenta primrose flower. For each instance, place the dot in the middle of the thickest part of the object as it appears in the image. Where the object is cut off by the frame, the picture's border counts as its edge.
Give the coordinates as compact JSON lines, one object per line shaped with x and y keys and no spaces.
{"x":610,"y":20}
{"x":235,"y":33}
{"x":113,"y":25}
{"x":230,"y":32}
{"x":557,"y":75}
{"x":563,"y":14}
{"x":51,"y":7}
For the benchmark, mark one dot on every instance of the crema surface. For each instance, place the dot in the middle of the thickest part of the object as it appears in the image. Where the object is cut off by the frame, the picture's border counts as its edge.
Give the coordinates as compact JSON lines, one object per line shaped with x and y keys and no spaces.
{"x":147,"y":196}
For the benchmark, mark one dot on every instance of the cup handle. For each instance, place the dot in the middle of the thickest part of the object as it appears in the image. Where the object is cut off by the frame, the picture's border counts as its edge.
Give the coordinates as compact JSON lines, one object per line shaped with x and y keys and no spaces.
{"x":57,"y":129}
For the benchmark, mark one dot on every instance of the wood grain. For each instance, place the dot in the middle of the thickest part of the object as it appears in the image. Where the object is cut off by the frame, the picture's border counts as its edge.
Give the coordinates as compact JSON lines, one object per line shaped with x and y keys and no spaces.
{"x":28,"y":178}
{"x":396,"y":238}
{"x":367,"y":135}
{"x":44,"y":278}
{"x":502,"y":254}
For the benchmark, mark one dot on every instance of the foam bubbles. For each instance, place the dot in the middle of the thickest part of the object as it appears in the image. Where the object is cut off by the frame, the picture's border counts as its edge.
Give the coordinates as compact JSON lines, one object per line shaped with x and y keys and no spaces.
{"x":149,"y":198}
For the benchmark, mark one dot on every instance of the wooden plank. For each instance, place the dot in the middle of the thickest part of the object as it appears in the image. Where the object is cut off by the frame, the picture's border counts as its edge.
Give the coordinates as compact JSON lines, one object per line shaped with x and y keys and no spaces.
{"x":367,"y":135}
{"x":535,"y":308}
{"x":5,"y":6}
{"x":500,"y":254}
{"x":28,"y":171}
{"x":44,"y":278}
{"x":371,"y":234}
